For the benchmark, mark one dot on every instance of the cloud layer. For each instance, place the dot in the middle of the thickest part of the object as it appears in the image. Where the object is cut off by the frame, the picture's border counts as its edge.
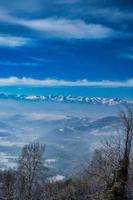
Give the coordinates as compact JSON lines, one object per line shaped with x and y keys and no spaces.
{"x":15,"y":81}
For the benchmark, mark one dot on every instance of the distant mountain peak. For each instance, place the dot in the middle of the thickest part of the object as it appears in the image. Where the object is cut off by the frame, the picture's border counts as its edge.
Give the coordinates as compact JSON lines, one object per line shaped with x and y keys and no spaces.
{"x":68,"y":99}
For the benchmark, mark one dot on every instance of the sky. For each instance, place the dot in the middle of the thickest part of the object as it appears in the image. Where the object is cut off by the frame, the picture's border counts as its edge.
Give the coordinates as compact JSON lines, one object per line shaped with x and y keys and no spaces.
{"x":67,"y":46}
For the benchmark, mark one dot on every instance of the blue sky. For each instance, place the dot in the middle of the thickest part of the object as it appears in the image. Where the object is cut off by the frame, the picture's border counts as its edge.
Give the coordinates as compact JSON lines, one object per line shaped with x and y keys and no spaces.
{"x":84,"y":44}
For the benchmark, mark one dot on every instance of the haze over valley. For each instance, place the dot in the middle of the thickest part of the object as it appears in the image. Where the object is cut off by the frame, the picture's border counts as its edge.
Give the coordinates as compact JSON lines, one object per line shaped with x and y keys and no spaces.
{"x":62,"y":127}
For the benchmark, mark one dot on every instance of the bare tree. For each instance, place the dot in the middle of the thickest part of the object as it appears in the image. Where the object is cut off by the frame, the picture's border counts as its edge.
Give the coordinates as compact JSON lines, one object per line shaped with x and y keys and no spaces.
{"x":109,"y":169}
{"x":117,"y":190}
{"x":7,"y":185}
{"x":30,"y":170}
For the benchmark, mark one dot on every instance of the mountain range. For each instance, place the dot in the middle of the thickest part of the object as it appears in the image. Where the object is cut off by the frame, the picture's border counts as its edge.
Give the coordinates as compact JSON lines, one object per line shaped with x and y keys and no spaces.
{"x":68,"y":99}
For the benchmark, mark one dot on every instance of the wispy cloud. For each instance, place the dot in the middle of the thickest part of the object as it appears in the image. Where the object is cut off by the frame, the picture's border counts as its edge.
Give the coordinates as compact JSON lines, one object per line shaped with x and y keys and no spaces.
{"x":75,"y":27}
{"x":11,"y":41}
{"x":41,"y":60}
{"x":116,"y":14}
{"x":62,"y":28}
{"x":128,"y":56}
{"x":5,"y":63}
{"x":15,"y":81}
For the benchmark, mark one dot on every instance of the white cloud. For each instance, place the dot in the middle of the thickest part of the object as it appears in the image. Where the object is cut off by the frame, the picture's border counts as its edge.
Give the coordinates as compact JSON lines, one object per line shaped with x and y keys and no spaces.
{"x":62,"y":28}
{"x":11,"y":41}
{"x":15,"y":81}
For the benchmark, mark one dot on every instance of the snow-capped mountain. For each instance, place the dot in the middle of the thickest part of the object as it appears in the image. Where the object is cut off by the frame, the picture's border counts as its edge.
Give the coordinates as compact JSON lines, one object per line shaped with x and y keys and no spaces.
{"x":69,"y":98}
